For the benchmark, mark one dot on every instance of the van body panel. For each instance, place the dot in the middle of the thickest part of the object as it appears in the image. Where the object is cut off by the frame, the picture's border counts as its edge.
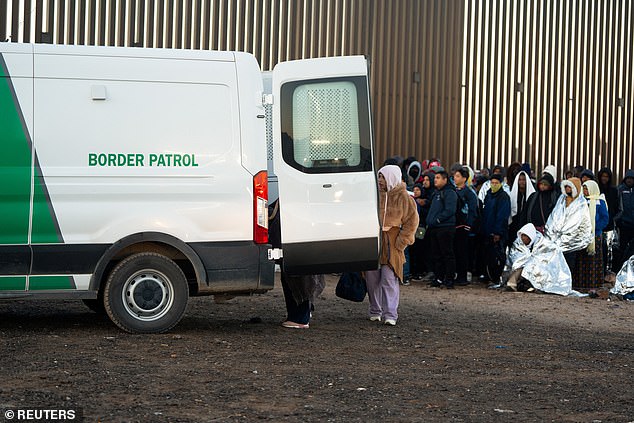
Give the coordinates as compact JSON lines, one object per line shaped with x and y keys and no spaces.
{"x":322,"y":148}
{"x":113,"y":151}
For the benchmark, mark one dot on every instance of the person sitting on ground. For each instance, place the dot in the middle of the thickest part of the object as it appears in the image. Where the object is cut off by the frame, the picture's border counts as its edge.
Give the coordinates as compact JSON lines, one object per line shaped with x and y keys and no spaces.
{"x":398,"y":220}
{"x":569,"y":224}
{"x":537,"y":263}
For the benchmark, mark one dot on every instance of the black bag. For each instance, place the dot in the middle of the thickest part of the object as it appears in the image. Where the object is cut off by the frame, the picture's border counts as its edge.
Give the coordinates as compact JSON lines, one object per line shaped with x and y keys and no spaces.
{"x":495,"y":261}
{"x":351,"y":286}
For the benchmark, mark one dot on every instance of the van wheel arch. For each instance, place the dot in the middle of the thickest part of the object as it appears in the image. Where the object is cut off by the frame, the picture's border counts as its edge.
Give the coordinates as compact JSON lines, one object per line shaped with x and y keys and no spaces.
{"x":154,"y":242}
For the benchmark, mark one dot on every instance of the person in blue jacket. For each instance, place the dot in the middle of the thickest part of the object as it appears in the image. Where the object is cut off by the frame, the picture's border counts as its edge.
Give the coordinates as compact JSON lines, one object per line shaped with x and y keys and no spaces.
{"x":441,"y":228}
{"x":494,"y":226}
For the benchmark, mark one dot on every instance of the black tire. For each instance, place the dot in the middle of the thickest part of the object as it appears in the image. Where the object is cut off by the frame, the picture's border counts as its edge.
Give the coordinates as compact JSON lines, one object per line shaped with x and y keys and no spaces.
{"x":96,"y":306}
{"x":155,"y":292}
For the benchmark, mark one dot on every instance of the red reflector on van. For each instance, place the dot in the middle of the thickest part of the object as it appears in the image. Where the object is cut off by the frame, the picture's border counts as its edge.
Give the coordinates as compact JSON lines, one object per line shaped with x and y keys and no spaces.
{"x":260,"y":208}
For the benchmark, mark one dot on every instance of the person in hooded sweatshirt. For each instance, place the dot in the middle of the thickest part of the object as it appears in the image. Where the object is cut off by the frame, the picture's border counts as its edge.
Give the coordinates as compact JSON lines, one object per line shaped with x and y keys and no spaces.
{"x":398,"y":219}
{"x":521,"y":190}
{"x":588,"y":275}
{"x":441,"y":228}
{"x":540,"y":203}
{"x":611,"y":194}
{"x":624,"y":220}
{"x":569,"y":224}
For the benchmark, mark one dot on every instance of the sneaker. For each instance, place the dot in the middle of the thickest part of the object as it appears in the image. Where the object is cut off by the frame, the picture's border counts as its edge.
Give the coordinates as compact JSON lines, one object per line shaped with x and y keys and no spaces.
{"x":293,"y":325}
{"x":390,"y":322}
{"x":417,"y":277}
{"x":375,"y":318}
{"x":448,"y":283}
{"x":461,"y":282}
{"x":406,"y":281}
{"x":436,"y":283}
{"x":495,"y":286}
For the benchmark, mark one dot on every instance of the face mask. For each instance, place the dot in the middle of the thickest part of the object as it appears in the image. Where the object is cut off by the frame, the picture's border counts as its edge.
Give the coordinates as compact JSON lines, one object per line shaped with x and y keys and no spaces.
{"x":495,"y":188}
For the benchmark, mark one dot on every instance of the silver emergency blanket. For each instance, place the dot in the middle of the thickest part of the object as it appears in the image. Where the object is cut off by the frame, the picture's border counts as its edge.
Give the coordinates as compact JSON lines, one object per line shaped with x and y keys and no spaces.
{"x":570,"y":227}
{"x":624,"y":279}
{"x":544,"y":265}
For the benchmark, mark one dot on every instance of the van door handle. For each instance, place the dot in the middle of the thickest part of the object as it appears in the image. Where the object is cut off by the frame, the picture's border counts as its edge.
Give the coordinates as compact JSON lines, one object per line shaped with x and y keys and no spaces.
{"x":327,"y":185}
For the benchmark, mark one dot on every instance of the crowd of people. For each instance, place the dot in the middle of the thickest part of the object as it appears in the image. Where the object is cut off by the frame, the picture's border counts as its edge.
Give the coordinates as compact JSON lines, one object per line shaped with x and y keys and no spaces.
{"x":470,"y":221}
{"x":508,"y":227}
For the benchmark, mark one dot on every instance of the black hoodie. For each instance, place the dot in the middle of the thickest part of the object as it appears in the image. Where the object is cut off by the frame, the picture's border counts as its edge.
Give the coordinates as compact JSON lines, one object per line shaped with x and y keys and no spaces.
{"x":611,"y":196}
{"x":625,"y":218}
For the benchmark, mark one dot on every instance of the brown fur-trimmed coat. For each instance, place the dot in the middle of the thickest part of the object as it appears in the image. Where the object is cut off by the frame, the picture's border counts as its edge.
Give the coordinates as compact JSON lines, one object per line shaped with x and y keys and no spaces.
{"x":402,"y":216}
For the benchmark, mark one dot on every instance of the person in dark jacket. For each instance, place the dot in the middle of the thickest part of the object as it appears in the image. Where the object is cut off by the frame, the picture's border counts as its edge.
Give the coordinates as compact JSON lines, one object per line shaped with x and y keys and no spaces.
{"x":465,"y":219}
{"x":624,"y":220}
{"x":441,"y":228}
{"x":611,"y":194}
{"x":540,"y":203}
{"x":496,"y":212}
{"x":495,"y":217}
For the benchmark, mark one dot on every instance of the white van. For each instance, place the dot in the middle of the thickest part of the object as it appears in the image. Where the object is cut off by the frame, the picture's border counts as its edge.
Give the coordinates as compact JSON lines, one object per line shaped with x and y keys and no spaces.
{"x":134,"y":178}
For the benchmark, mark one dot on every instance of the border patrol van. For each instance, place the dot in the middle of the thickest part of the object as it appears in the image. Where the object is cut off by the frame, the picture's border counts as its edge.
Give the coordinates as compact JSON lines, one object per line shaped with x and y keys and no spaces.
{"x":134,"y":178}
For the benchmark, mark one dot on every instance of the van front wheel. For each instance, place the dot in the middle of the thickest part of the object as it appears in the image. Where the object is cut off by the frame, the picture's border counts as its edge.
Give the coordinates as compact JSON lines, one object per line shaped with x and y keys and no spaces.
{"x":146,"y":293}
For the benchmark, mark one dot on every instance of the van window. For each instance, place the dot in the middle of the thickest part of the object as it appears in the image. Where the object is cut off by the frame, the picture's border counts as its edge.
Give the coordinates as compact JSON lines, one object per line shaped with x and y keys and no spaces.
{"x":325,"y":125}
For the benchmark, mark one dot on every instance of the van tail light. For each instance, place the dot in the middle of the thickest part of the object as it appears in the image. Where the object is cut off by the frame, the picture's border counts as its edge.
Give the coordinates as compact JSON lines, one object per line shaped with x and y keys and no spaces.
{"x":260,"y":208}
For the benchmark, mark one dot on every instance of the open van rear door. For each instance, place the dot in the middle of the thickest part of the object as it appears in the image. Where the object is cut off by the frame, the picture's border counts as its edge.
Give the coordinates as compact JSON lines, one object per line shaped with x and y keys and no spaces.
{"x":322,"y":152}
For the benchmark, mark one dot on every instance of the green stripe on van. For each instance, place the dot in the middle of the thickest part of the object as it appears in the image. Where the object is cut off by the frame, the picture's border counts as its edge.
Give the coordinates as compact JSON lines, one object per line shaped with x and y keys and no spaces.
{"x":15,"y":166}
{"x":43,"y":228}
{"x":13,"y":283}
{"x":38,"y":283}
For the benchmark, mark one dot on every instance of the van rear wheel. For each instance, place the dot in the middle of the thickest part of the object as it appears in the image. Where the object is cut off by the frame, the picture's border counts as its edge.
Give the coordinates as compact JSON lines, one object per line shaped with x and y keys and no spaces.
{"x":146,"y":293}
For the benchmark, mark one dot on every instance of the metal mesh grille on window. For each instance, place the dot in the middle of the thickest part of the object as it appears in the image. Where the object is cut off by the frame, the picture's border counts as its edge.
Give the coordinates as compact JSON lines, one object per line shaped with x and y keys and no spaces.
{"x":326,"y":125}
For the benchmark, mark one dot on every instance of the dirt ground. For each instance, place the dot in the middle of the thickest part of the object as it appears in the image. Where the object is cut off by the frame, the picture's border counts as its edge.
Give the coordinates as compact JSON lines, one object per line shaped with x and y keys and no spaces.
{"x":470,"y":354}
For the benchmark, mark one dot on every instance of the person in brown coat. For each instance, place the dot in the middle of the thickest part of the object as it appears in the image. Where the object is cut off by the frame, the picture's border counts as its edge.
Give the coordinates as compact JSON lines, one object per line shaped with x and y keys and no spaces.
{"x":398,"y":218}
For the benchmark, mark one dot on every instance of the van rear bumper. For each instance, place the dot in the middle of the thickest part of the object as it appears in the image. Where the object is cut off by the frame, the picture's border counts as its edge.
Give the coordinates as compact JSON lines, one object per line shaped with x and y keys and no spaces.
{"x":235,"y":267}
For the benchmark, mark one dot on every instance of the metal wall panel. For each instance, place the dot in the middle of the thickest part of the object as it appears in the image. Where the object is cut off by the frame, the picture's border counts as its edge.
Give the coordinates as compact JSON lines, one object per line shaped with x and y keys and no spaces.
{"x":415,"y":47}
{"x":548,"y":82}
{"x":482,"y":82}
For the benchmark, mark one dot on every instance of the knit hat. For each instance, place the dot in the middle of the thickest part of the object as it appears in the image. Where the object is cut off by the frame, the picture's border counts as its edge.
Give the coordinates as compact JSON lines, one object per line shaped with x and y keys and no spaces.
{"x":548,"y":178}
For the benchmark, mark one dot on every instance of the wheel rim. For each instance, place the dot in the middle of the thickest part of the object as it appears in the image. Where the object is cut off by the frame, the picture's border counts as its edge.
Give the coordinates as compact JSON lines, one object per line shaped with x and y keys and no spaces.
{"x":147,"y":295}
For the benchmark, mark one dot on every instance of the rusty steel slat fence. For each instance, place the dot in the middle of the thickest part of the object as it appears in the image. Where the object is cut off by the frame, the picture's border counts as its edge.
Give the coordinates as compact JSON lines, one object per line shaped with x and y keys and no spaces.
{"x":482,"y":82}
{"x":563,"y":94}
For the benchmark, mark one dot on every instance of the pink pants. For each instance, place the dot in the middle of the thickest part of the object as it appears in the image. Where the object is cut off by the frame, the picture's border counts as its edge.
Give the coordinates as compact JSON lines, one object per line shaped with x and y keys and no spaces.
{"x":383,"y":292}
